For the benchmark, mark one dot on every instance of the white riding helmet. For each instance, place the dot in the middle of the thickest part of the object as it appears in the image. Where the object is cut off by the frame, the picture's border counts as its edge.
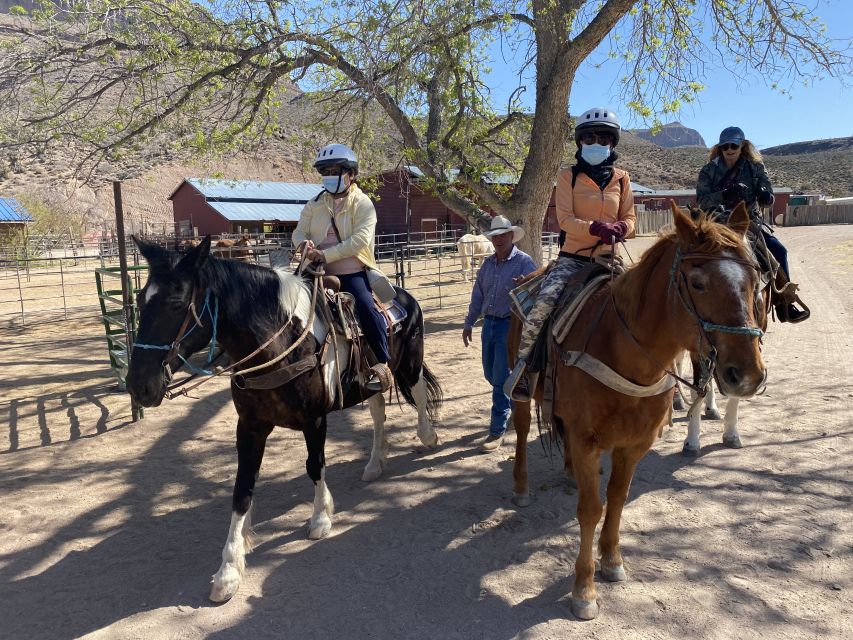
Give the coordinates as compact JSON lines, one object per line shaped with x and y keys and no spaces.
{"x":598,"y":119}
{"x":339,"y":154}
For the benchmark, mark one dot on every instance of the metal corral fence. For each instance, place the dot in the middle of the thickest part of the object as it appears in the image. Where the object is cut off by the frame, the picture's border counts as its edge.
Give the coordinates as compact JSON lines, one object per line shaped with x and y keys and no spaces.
{"x":47,"y":289}
{"x":798,"y":216}
{"x":41,"y":289}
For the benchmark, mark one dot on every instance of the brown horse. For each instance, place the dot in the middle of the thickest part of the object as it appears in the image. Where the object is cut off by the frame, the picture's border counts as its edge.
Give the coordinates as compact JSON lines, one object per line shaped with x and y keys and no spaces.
{"x":230,"y":251}
{"x":695,"y":286}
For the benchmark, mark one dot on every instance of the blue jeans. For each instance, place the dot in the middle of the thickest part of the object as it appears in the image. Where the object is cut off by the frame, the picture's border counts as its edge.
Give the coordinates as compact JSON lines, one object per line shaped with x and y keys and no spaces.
{"x":778,"y":251}
{"x":496,"y":370}
{"x":369,"y":317}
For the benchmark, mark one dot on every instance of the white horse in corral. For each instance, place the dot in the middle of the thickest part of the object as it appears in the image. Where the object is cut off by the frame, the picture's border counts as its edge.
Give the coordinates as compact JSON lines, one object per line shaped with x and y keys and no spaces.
{"x":731,"y":437}
{"x":472,"y":250}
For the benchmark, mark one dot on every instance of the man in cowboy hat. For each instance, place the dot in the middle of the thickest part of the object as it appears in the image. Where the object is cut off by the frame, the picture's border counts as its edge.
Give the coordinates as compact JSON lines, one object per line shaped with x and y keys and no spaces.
{"x":490,"y":298}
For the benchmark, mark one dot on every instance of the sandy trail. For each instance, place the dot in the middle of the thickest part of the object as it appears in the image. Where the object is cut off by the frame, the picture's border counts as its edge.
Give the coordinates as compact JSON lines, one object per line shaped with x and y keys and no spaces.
{"x":112,"y":529}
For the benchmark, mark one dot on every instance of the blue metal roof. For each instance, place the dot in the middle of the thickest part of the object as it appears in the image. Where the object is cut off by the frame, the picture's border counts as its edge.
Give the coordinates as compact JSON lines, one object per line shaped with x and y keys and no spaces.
{"x":258,"y":211}
{"x":12,"y":211}
{"x":255,"y":190}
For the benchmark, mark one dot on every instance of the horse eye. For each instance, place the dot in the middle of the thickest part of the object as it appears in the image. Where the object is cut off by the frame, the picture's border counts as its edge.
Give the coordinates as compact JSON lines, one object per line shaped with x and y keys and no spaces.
{"x":698,"y":286}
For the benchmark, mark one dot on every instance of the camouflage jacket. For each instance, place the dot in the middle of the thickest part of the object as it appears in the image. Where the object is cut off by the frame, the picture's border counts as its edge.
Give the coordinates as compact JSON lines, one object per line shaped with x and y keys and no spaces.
{"x":709,"y":189}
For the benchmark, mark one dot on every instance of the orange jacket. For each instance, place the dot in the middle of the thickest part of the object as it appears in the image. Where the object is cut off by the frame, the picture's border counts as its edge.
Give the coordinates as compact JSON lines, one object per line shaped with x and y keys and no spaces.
{"x":578,"y":207}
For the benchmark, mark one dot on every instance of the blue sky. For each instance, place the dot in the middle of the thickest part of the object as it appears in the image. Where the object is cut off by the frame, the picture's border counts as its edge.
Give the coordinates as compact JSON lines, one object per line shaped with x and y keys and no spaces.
{"x":824,"y":110}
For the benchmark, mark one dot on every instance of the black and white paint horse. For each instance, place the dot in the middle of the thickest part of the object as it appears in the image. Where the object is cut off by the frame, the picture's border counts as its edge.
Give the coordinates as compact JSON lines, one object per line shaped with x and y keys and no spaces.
{"x":242,"y":306}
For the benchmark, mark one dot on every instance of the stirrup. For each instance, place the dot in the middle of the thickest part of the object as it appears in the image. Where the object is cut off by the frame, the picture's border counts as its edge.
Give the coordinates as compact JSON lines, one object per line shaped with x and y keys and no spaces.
{"x":516,"y":385}
{"x":381,"y":378}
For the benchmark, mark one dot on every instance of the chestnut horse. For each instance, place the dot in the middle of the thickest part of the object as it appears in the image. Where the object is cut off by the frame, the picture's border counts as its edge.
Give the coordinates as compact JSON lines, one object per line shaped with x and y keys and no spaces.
{"x":693,"y":289}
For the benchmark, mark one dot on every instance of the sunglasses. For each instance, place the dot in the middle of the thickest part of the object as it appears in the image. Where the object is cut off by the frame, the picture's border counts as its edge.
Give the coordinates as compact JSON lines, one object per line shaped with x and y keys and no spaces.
{"x":600,"y":138}
{"x":729,"y":147}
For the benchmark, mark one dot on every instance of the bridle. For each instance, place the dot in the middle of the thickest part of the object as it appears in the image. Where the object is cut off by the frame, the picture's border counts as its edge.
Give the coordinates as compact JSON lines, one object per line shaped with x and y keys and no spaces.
{"x":173,"y":349}
{"x":677,"y":278}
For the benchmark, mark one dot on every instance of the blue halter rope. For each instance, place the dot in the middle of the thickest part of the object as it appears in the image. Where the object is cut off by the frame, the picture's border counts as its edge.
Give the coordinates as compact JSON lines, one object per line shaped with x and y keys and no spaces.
{"x":214,"y":315}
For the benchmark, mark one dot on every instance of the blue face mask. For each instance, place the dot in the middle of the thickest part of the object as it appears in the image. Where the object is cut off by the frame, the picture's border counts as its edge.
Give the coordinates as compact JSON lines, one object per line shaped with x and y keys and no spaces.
{"x":336,"y":184}
{"x":595,"y":153}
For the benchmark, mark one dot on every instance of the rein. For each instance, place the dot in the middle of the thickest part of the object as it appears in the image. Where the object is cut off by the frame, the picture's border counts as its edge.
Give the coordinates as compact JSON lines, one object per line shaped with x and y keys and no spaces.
{"x":177,"y":389}
{"x":708,"y":364}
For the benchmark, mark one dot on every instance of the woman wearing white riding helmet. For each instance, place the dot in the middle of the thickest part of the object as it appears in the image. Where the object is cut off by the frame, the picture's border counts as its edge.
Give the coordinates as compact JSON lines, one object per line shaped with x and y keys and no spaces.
{"x":595,"y":210}
{"x":338,"y":228}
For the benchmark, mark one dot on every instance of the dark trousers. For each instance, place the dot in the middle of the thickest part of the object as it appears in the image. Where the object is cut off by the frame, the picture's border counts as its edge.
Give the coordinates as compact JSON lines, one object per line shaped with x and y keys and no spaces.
{"x":778,"y":251}
{"x":370,"y":318}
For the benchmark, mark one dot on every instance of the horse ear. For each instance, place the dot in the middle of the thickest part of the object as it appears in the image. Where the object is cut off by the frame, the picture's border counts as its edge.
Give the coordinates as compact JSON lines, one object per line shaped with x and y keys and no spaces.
{"x":684,"y":227}
{"x":739,"y":219}
{"x":155,"y":255}
{"x":196,"y":257}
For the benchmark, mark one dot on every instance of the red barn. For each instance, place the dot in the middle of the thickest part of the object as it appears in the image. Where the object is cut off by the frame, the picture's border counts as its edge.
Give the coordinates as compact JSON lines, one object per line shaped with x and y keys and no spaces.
{"x":206,"y":206}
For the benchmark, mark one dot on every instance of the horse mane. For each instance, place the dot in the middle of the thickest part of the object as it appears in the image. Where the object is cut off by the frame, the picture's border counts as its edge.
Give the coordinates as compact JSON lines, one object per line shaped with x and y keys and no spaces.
{"x":262,"y":298}
{"x":708,"y":237}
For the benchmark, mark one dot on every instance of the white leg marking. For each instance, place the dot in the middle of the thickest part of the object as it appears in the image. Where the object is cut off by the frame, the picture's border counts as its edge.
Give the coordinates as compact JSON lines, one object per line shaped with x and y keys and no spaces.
{"x":731,"y":420}
{"x":426,"y":432}
{"x":379,"y":451}
{"x":694,"y":426}
{"x":227,"y":579}
{"x":324,"y":509}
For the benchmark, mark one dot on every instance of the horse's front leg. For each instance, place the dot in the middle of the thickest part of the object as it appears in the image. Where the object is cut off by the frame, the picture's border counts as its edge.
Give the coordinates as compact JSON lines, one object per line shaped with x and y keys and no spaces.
{"x":324,"y":506}
{"x":378,"y":453}
{"x":426,"y":430}
{"x":251,"y":440}
{"x":624,"y":463}
{"x":585,"y":461}
{"x":731,"y":437}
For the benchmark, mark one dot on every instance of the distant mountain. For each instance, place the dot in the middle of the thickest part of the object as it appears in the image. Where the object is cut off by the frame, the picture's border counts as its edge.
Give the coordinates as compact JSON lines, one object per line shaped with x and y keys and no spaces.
{"x":810,"y":146}
{"x":672,"y":135}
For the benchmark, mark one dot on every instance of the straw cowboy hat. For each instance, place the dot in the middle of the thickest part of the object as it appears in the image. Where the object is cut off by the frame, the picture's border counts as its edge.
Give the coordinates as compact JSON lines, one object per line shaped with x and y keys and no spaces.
{"x":501,"y":225}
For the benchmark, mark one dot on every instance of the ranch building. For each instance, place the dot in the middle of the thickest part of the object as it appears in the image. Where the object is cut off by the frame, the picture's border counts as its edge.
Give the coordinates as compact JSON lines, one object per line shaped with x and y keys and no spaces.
{"x":14,"y":218}
{"x":207,"y":206}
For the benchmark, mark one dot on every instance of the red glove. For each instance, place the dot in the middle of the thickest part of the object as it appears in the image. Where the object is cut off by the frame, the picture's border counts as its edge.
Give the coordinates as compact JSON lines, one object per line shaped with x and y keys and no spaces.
{"x":609,"y":232}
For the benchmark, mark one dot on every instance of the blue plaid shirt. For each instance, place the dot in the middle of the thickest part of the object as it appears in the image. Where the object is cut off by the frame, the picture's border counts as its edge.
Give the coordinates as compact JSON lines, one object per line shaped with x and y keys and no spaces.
{"x":490,"y":296}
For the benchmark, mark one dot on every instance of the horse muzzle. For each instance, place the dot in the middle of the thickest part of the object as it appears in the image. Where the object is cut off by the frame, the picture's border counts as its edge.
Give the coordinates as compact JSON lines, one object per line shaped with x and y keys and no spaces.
{"x":740,"y":381}
{"x":148,"y":392}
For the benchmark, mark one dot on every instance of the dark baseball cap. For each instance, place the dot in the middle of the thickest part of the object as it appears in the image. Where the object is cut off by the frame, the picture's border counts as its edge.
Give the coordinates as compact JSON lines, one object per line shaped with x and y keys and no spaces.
{"x":732,"y":135}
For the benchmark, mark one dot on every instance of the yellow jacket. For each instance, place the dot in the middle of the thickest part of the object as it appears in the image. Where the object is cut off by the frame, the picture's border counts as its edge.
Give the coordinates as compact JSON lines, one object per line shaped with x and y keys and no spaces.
{"x":577,"y":208}
{"x":356,"y":225}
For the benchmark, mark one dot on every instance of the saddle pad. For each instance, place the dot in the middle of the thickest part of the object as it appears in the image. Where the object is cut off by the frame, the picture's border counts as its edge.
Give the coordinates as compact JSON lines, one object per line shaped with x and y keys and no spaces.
{"x":566,"y":315}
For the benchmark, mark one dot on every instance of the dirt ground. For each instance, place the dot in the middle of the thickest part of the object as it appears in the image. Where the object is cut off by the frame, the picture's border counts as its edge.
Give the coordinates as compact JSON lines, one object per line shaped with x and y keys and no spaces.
{"x":112,"y":529}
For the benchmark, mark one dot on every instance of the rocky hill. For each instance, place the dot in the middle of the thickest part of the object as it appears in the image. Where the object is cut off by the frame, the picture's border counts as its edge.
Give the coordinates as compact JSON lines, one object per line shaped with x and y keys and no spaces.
{"x":672,"y":135}
{"x":810,"y":146}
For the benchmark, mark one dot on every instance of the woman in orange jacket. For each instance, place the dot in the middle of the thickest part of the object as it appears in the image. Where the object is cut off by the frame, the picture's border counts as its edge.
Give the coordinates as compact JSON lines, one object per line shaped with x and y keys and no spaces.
{"x":595,"y":210}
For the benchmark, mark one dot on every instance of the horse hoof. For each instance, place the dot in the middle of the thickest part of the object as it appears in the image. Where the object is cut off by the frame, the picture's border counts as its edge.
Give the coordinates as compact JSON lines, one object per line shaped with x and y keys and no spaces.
{"x":712,"y":414}
{"x":689,"y":452}
{"x":521,"y":500}
{"x":431,"y":442}
{"x":225,"y":585}
{"x":371,"y":474}
{"x":584,"y":609}
{"x":614,"y":574}
{"x":320,"y":530}
{"x":732,"y":442}
{"x":678,"y":404}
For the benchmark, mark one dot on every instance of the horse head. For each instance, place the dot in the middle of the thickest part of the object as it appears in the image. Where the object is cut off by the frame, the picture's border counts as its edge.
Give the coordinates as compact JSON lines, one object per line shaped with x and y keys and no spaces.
{"x":717,"y":282}
{"x":172,"y":324}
